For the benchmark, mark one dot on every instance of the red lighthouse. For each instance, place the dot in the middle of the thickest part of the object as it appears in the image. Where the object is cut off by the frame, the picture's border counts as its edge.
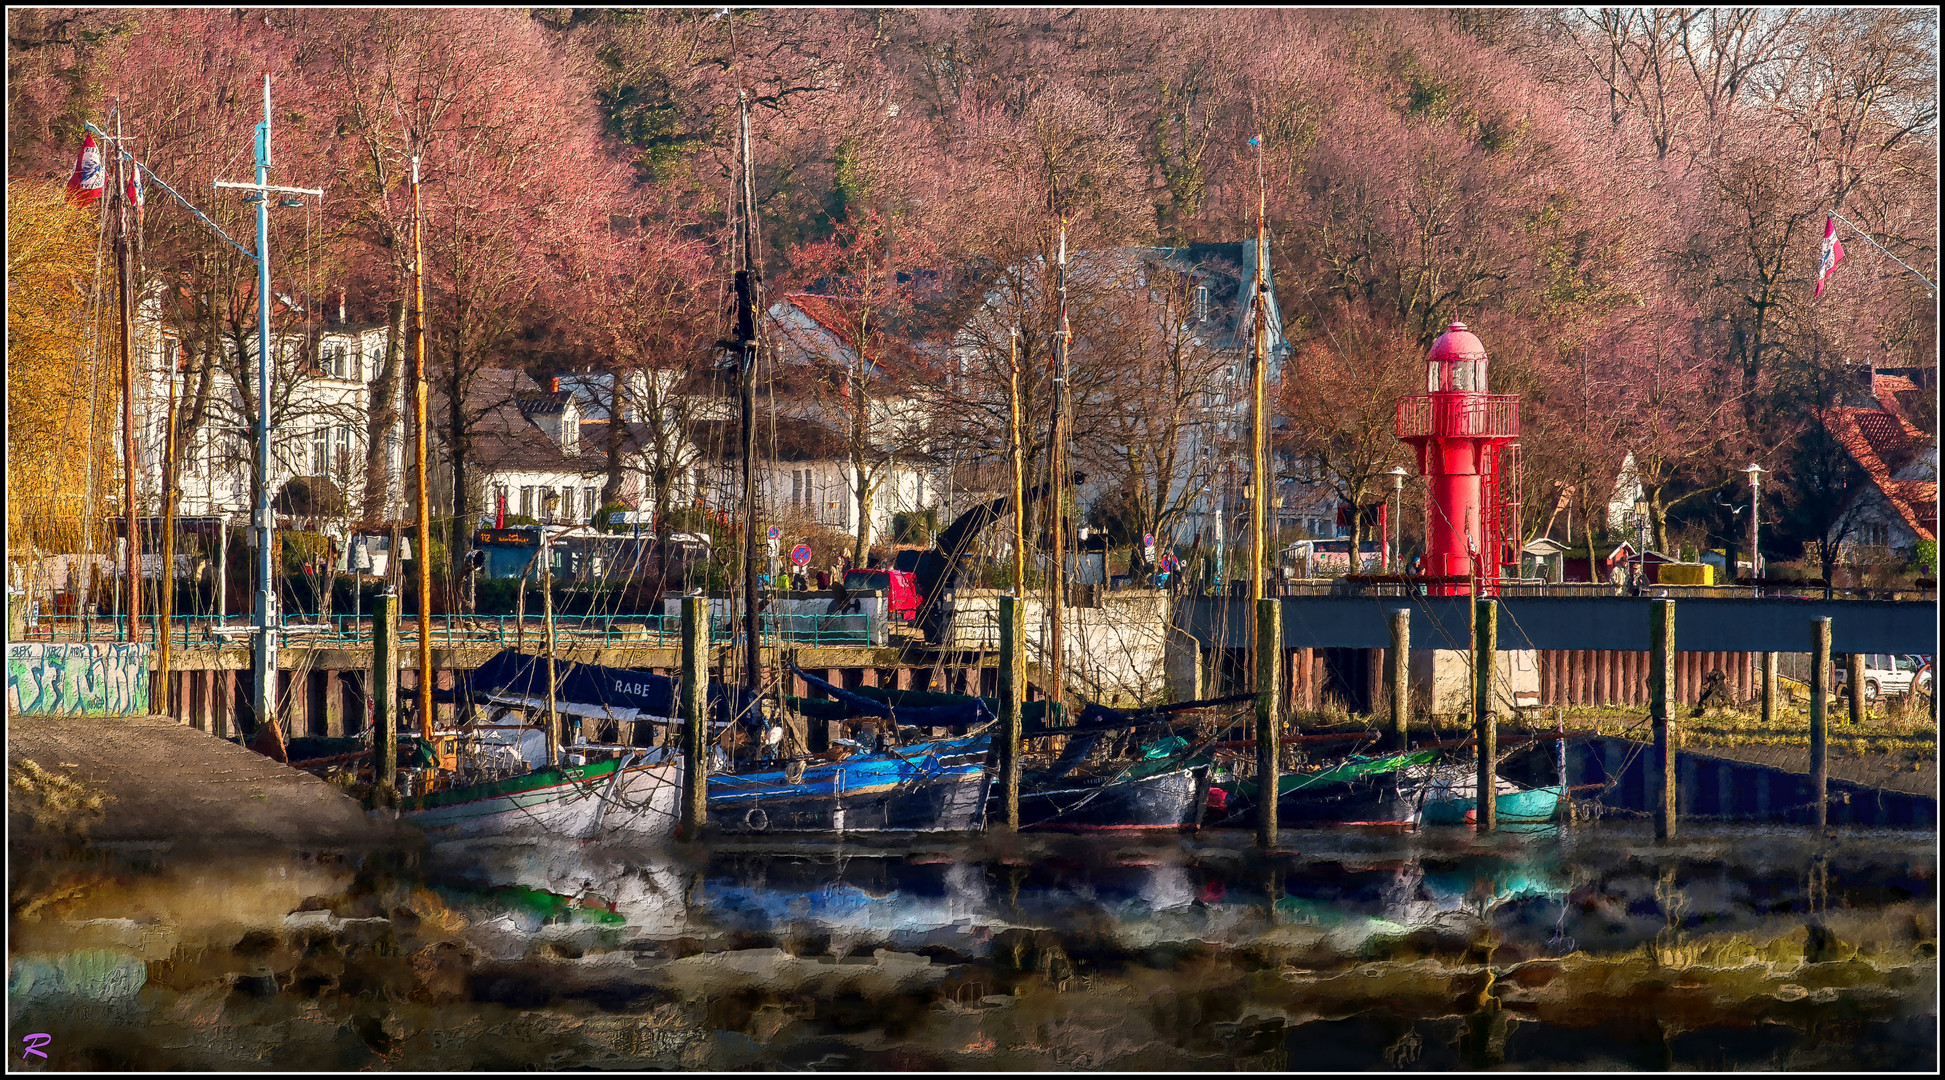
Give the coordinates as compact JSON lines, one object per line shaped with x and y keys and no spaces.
{"x":1467,"y":442}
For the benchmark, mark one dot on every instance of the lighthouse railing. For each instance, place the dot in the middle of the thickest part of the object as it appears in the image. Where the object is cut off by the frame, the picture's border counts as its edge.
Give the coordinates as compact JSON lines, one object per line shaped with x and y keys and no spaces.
{"x":1459,"y":416}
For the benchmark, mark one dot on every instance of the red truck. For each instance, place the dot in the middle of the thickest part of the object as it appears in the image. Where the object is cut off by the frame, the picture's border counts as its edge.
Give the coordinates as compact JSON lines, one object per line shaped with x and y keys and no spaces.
{"x":900,"y":589}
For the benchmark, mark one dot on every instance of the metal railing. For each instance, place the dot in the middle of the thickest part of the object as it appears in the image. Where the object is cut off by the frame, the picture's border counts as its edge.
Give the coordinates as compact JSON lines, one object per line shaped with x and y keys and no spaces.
{"x":1448,"y":416}
{"x":451,"y":631}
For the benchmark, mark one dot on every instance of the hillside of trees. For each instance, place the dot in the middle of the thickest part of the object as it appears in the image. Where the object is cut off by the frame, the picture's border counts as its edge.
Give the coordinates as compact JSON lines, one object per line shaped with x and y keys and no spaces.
{"x":1626,"y":205}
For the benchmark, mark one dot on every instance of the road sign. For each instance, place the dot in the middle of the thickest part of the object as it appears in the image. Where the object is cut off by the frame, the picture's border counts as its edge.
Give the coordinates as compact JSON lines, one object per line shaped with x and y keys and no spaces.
{"x":1148,"y":540}
{"x":772,"y":542}
{"x":775,"y":532}
{"x":800,"y":555}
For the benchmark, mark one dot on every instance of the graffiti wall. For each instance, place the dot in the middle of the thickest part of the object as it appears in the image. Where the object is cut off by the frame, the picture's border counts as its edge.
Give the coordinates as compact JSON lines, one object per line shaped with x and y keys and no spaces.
{"x":85,"y":679}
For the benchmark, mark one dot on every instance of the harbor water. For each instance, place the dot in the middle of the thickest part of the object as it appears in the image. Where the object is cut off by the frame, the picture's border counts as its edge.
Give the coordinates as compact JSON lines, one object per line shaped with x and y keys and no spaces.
{"x":1591,"y":947}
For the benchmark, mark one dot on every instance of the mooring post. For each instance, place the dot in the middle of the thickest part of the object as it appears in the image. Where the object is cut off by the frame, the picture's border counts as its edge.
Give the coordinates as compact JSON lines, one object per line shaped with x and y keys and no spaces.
{"x":1400,"y":665}
{"x":384,"y":699}
{"x":1820,"y":718}
{"x":1486,"y":725}
{"x":695,"y":716}
{"x":1769,"y":689}
{"x":1013,"y":682}
{"x":1661,"y":687}
{"x":1269,"y":714}
{"x":1854,"y":675}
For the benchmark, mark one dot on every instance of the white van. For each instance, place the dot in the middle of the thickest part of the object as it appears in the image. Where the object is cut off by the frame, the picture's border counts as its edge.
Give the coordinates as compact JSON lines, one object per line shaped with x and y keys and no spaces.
{"x":1889,"y":674}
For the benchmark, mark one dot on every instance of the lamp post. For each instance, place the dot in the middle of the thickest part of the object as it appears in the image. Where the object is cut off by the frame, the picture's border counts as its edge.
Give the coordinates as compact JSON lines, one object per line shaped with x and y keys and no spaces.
{"x":1755,"y":473}
{"x":1397,"y":474}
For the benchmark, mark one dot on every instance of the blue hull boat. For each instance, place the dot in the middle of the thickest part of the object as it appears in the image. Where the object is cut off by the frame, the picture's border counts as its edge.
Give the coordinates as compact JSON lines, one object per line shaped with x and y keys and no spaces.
{"x":937,"y":786}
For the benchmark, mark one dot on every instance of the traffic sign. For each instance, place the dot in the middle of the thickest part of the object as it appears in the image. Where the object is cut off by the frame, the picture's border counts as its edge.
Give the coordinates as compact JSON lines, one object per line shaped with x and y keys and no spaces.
{"x":1147,"y":540}
{"x":775,"y":532}
{"x":800,"y":555}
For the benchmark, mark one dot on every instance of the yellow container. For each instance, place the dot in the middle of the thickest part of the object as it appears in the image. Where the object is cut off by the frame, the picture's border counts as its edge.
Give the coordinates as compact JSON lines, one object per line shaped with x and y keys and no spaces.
{"x":1687,"y":574}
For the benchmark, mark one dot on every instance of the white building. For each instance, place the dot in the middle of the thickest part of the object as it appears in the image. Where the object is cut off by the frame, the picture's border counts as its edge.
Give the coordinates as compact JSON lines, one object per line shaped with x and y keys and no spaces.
{"x":322,"y":381}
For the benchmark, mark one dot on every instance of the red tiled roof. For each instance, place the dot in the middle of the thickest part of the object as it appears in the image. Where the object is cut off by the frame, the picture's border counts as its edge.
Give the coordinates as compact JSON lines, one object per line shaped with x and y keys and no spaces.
{"x":827,"y":313}
{"x":1882,"y":442}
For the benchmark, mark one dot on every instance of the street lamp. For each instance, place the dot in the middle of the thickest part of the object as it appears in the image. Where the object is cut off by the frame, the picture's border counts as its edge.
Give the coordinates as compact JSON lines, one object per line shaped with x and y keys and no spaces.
{"x":1397,"y":474}
{"x":1755,"y":473}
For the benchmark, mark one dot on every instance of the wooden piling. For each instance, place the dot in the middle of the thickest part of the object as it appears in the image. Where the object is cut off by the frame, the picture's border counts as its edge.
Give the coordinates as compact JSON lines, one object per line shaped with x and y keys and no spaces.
{"x":1400,"y":672}
{"x":384,"y":699}
{"x":1854,"y":678}
{"x":695,"y":717}
{"x":1819,"y":719}
{"x":1269,"y":643}
{"x":1485,"y":651}
{"x":1769,"y":689}
{"x":1661,"y":684}
{"x":1012,"y":695}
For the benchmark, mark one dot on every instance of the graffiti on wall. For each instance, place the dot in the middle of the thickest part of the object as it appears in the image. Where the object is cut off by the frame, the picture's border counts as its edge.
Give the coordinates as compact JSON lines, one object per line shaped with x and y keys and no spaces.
{"x":78,"y":679}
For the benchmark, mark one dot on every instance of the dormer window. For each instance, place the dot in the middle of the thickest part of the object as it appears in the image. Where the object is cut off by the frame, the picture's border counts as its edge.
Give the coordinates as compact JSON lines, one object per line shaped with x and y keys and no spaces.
{"x":1201,"y":303}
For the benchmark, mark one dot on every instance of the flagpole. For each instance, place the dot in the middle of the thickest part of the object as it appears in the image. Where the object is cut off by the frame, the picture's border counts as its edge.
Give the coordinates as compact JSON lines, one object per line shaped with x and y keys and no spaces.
{"x":1887,"y":254}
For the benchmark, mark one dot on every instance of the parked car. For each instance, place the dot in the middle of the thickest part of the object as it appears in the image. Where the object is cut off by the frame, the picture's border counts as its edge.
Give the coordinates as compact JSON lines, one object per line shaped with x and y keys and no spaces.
{"x":900,"y":588}
{"x":1890,"y":674}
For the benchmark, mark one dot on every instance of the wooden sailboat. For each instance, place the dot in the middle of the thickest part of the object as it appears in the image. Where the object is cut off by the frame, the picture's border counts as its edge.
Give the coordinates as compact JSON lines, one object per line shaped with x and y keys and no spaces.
{"x":505,"y":785}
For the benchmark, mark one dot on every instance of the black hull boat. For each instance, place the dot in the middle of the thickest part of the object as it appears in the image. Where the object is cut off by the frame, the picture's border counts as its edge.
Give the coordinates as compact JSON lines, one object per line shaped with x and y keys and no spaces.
{"x":1358,"y":791}
{"x":1168,"y":800}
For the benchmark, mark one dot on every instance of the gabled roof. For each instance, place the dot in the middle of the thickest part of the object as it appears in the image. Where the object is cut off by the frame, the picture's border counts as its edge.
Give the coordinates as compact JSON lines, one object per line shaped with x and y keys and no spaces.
{"x":543,"y":402}
{"x":1884,"y":444}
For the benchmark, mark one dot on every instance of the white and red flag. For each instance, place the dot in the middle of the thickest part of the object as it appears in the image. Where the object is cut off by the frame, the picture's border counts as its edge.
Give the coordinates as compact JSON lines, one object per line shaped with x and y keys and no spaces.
{"x":136,"y":191}
{"x":1833,"y":253}
{"x":85,"y":186}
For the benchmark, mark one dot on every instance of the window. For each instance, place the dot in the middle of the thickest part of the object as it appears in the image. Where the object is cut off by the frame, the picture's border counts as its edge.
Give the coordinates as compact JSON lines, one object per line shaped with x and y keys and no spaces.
{"x":320,"y":451}
{"x":589,"y":497}
{"x":333,"y":356}
{"x":342,"y":456}
{"x":1201,"y":303}
{"x":357,"y":360}
{"x":527,"y":500}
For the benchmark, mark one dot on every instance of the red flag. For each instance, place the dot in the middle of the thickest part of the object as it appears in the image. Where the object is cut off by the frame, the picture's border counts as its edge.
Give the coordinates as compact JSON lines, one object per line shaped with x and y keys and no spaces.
{"x":85,"y":186}
{"x":136,"y":191}
{"x":499,"y":517}
{"x":1833,"y":253}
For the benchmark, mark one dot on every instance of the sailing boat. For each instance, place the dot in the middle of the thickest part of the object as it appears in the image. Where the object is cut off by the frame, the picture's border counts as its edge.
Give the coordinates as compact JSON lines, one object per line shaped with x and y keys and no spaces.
{"x":512,"y":779}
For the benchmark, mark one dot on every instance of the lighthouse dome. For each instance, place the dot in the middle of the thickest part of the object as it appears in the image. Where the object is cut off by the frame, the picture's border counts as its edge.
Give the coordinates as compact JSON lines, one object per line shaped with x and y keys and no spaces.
{"x":1457,"y":361}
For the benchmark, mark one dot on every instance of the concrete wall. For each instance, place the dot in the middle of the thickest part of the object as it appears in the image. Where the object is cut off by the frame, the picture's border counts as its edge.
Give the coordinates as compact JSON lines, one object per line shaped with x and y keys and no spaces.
{"x":1114,"y":654}
{"x":1441,"y":680}
{"x":69,"y":679}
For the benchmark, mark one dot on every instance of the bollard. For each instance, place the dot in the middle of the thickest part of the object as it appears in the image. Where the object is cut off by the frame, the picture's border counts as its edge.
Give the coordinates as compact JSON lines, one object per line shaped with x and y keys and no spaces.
{"x":1013,"y":681}
{"x":1269,"y":715}
{"x":1820,"y":719}
{"x":1400,"y":657}
{"x":1854,"y":675}
{"x":384,"y":699}
{"x":1661,"y":686}
{"x":1485,"y":649}
{"x":695,"y":716}
{"x":1769,"y":689}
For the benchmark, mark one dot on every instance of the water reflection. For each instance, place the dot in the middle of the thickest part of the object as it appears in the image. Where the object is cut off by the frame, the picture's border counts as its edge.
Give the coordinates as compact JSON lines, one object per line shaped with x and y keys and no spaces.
{"x":1352,"y":950}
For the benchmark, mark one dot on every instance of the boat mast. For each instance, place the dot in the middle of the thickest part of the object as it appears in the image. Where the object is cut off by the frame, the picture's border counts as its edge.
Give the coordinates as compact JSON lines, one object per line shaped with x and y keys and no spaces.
{"x":547,"y":620}
{"x":1015,"y":451}
{"x":1259,"y":441}
{"x":132,"y":560}
{"x":1057,"y":457}
{"x":748,"y":282}
{"x":422,"y":540}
